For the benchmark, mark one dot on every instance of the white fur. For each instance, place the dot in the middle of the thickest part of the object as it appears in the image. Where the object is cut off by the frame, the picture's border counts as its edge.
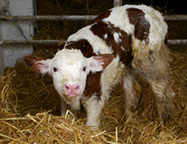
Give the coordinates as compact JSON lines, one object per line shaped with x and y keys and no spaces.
{"x":105,"y":36}
{"x":44,"y":68}
{"x":122,"y":21}
{"x":94,"y":109}
{"x":116,"y":38}
{"x":111,"y":76}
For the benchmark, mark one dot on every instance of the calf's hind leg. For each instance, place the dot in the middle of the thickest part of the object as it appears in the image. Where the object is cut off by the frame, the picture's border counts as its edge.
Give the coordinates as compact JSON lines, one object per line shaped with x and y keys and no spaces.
{"x":154,"y":67}
{"x":163,"y":99}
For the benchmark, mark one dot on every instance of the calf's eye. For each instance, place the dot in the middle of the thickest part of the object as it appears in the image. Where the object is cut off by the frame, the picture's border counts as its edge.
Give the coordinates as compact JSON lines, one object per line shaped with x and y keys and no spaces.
{"x":54,"y":69}
{"x":84,"y":69}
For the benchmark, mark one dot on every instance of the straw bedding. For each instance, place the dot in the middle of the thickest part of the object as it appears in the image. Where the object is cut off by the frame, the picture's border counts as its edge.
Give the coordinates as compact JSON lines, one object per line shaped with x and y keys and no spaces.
{"x":30,"y":110}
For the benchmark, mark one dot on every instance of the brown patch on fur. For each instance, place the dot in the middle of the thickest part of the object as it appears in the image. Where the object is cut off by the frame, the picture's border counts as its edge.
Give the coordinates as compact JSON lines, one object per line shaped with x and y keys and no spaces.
{"x":82,"y":45}
{"x":122,"y":47}
{"x":137,"y":18}
{"x":93,"y":85}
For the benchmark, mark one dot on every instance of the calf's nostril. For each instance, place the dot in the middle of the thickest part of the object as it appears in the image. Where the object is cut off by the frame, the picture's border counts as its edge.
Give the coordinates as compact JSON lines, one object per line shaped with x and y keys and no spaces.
{"x":66,"y":87}
{"x":77,"y":87}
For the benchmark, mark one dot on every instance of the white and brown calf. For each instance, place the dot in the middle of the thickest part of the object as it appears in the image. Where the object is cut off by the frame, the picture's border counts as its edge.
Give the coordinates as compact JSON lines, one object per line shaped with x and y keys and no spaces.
{"x":118,"y":44}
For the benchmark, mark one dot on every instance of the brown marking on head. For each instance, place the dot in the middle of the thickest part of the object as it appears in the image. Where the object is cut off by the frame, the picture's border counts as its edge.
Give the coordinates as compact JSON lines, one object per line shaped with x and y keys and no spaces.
{"x":83,"y":45}
{"x":137,"y":18}
{"x":121,"y":47}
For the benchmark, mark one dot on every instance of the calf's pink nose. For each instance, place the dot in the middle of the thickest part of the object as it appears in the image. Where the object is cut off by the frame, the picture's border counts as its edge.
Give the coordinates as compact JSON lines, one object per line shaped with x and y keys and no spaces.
{"x":71,"y":90}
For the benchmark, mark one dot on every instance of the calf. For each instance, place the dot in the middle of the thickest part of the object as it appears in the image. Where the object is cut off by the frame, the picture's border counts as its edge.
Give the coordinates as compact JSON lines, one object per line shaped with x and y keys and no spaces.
{"x":117,"y":45}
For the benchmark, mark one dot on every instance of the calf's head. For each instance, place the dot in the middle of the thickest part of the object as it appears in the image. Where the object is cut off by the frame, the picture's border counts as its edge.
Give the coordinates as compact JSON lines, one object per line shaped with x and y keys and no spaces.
{"x":69,"y":70}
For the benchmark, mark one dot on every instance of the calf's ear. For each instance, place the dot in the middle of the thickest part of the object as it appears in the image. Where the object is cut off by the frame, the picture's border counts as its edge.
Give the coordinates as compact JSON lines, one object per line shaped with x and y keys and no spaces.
{"x":37,"y":64}
{"x":100,"y":62}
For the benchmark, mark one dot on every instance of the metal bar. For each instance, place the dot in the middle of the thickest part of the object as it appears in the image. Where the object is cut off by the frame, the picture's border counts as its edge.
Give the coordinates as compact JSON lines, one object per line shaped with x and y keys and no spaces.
{"x":71,"y":17}
{"x":47,"y":18}
{"x":177,"y":42}
{"x":58,"y":42}
{"x":32,"y":42}
{"x":175,"y":17}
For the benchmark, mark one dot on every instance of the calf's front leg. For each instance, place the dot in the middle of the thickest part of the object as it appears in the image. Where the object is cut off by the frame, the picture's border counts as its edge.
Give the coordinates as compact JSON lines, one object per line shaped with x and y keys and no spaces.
{"x":94,"y":107}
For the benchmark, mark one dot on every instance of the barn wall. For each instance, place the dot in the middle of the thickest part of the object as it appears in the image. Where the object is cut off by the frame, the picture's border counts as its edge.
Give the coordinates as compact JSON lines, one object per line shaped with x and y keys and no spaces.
{"x":11,"y":30}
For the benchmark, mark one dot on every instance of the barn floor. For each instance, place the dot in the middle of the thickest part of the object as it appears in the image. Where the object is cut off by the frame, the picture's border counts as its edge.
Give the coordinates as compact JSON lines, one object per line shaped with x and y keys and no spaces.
{"x":30,"y":109}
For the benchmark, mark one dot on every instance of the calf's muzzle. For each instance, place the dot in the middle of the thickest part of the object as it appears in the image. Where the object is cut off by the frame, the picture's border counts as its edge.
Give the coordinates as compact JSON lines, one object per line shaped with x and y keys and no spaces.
{"x":71,"y":89}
